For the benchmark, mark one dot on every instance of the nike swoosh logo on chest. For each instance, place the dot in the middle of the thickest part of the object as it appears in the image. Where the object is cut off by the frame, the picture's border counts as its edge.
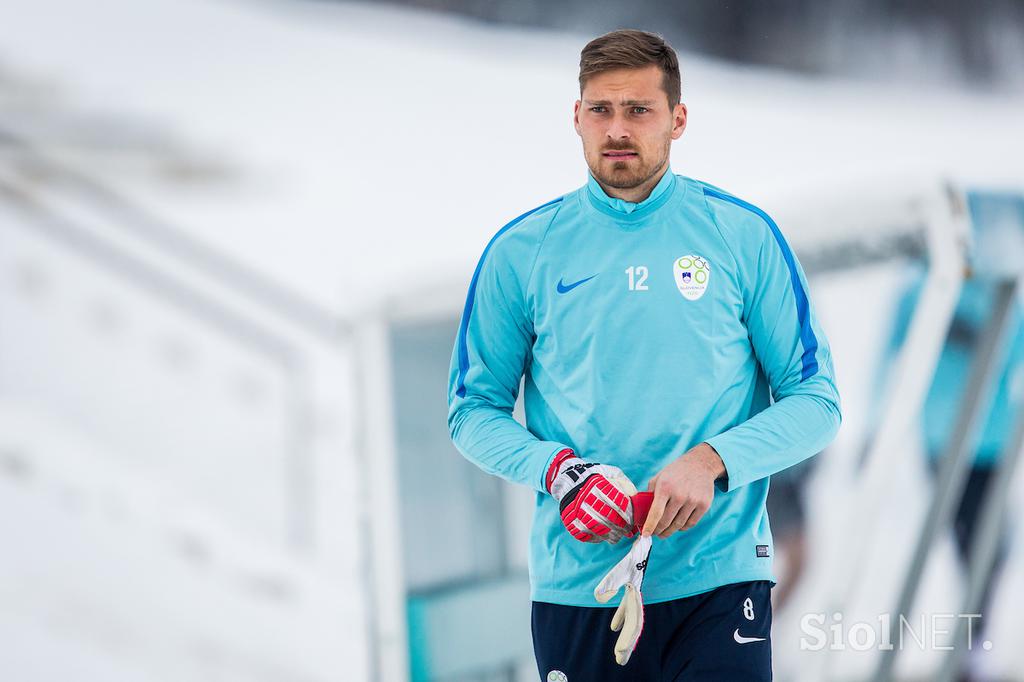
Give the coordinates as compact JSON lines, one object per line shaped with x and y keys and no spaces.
{"x":565,"y":288}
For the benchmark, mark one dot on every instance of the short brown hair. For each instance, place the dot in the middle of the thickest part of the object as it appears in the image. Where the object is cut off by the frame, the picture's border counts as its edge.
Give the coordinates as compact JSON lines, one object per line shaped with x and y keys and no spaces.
{"x":631,"y":49}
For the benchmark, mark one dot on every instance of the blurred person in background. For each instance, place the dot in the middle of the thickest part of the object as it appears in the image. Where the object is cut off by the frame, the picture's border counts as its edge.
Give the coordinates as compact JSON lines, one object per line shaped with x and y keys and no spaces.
{"x":666,"y":335}
{"x":998,"y":223}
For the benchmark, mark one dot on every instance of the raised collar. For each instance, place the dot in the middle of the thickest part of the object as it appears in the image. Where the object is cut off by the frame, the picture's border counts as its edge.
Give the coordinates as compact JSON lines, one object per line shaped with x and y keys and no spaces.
{"x":618,"y":208}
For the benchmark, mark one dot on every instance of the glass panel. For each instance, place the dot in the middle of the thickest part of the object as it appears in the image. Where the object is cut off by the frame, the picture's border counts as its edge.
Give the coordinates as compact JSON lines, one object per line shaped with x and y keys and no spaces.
{"x":452,"y":512}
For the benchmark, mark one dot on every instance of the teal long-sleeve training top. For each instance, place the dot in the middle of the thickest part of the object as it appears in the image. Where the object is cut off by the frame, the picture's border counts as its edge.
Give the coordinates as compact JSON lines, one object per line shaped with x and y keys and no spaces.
{"x":643,"y":329}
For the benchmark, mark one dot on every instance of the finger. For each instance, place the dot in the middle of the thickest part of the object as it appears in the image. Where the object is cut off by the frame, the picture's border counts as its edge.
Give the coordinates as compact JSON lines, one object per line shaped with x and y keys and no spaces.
{"x":654,"y":516}
{"x":671,"y":511}
{"x":679,"y":521}
{"x":630,"y":624}
{"x":619,"y":616}
{"x":695,"y":516}
{"x":586,"y":536}
{"x":577,"y":530}
{"x":650,"y":486}
{"x":606,"y":503}
{"x":576,"y":527}
{"x":597,"y":528}
{"x":614,"y":535}
{"x":594,"y":525}
{"x":610,"y":495}
{"x":623,"y":483}
{"x":608,"y":515}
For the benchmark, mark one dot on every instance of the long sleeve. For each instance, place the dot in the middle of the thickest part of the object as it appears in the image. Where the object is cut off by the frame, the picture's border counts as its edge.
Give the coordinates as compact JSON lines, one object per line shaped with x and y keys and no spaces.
{"x":492,"y":350}
{"x":630,"y":359}
{"x":794,"y":355}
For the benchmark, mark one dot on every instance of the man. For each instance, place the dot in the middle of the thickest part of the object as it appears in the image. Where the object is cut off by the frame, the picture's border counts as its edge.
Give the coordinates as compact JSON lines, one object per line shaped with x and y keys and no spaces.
{"x":666,"y":337}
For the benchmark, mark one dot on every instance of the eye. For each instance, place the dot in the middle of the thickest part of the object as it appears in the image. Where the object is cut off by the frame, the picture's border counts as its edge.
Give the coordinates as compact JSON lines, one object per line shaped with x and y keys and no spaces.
{"x":640,"y":110}
{"x":598,"y":109}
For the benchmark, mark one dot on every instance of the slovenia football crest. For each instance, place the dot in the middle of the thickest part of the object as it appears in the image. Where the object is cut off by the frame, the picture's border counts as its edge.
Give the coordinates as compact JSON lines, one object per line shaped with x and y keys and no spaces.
{"x":692,"y":274}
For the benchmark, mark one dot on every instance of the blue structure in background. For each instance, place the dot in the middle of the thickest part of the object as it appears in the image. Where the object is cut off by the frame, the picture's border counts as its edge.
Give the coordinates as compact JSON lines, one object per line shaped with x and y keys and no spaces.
{"x":998,"y":227}
{"x":997,"y":222}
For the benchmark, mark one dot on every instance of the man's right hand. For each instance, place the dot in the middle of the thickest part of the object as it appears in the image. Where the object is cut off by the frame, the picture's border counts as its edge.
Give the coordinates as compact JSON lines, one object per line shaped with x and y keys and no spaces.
{"x":593,"y":498}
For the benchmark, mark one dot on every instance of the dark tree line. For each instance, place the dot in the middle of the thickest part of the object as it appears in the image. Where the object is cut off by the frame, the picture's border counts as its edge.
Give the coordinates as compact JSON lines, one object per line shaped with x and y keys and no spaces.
{"x":975,"y":42}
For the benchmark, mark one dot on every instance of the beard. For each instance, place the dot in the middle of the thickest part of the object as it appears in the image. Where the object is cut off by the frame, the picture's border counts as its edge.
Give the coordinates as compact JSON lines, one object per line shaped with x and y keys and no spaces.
{"x":626,"y":174}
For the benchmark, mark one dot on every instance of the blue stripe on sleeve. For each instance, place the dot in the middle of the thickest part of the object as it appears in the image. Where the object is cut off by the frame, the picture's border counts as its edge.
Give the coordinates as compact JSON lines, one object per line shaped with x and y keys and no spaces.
{"x":468,"y":310}
{"x":807,"y":337}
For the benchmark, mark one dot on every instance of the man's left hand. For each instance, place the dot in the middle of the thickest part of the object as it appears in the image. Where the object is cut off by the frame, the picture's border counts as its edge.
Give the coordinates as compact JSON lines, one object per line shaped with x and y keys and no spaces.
{"x":683,"y":491}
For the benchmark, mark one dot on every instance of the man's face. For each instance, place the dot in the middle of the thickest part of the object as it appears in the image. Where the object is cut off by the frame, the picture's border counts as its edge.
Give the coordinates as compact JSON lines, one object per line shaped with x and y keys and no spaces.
{"x":627,"y":126}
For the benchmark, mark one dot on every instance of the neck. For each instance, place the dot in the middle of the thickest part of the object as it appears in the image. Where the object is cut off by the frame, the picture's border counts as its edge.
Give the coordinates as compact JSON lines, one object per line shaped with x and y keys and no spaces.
{"x":635,"y":194}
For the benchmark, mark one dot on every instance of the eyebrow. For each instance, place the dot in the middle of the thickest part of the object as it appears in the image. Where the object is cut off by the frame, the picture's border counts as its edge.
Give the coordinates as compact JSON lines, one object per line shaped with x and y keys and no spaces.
{"x":626,"y":103}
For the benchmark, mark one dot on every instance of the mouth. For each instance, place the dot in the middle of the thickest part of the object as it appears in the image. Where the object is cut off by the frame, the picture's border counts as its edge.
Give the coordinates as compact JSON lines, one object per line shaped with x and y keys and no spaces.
{"x":619,"y":154}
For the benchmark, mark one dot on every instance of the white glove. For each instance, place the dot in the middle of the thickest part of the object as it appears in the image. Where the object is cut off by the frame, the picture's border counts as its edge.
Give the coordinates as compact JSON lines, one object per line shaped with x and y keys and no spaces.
{"x":628,"y":620}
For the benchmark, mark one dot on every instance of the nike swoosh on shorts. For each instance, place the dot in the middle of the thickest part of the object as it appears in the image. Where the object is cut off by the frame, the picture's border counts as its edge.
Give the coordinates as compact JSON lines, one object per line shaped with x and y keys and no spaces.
{"x":740,"y":639}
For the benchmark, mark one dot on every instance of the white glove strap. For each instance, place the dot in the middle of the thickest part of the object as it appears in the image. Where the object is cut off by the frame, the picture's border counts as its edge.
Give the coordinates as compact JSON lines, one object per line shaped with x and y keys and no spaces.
{"x":574,"y":470}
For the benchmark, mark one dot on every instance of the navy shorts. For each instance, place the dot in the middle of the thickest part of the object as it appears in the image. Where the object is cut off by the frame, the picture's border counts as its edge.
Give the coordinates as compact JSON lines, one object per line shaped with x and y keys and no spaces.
{"x":724,"y":634}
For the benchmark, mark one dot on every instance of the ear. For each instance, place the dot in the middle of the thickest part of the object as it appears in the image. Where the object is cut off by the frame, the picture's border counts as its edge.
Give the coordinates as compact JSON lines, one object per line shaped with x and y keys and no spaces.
{"x":678,"y":121}
{"x":576,"y":118}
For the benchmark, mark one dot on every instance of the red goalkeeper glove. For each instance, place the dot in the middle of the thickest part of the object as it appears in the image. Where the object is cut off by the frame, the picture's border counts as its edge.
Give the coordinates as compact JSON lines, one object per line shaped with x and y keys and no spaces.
{"x":594,"y":499}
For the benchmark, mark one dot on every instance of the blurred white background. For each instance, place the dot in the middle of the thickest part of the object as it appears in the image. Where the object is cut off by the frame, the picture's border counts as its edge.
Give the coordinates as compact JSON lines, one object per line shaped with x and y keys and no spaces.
{"x":235,"y":241}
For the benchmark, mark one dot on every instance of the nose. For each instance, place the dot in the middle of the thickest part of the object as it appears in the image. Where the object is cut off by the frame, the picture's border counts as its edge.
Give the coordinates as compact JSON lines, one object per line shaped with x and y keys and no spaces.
{"x":617,"y":129}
